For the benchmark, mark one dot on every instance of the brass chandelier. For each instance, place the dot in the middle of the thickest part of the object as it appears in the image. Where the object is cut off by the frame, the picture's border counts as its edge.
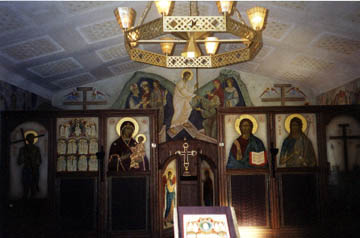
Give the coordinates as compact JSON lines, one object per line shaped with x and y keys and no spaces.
{"x":192,"y":30}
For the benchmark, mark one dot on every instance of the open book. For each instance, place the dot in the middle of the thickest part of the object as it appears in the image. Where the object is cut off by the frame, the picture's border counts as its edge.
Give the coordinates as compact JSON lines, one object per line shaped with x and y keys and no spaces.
{"x":258,"y":158}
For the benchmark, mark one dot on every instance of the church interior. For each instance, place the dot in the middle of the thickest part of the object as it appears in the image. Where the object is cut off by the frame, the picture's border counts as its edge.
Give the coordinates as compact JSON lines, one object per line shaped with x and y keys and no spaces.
{"x":179,"y":119}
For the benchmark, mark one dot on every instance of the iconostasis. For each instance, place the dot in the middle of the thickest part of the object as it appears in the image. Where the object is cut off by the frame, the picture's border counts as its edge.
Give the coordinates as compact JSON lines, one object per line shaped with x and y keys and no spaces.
{"x":106,"y":172}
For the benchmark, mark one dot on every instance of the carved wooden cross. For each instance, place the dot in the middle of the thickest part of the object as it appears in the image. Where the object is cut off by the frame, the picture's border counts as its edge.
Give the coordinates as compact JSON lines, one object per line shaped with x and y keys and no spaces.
{"x":85,"y":102}
{"x":186,"y":153}
{"x":344,"y":138}
{"x":282,"y":97}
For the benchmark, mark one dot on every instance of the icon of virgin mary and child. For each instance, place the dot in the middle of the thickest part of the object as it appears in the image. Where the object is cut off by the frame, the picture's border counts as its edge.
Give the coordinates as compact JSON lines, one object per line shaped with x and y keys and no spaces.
{"x":127,"y":153}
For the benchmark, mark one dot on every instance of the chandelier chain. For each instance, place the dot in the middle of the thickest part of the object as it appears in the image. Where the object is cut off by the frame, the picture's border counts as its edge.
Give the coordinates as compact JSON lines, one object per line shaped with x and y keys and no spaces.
{"x":145,"y":12}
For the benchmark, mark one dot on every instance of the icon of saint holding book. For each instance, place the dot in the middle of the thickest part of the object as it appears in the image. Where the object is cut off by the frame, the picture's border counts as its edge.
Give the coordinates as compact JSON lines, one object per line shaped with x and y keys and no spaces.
{"x":247,"y":151}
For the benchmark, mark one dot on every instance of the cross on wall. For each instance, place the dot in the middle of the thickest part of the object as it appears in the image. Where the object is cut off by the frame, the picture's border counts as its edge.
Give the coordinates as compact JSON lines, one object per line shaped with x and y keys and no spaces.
{"x":84,"y":101}
{"x":344,"y":137}
{"x":283,"y":97}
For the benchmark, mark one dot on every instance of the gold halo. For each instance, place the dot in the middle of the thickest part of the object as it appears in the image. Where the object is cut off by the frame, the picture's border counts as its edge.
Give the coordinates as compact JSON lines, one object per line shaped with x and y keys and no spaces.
{"x":186,"y":70}
{"x":31,"y":132}
{"x":167,"y":171}
{"x":246,"y":116}
{"x":301,"y":117}
{"x":137,"y":138}
{"x":130,"y":119}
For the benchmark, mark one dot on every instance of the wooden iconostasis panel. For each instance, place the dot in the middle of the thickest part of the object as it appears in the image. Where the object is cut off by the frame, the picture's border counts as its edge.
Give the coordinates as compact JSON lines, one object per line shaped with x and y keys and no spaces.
{"x":77,"y":204}
{"x":77,"y":142}
{"x":251,"y":168}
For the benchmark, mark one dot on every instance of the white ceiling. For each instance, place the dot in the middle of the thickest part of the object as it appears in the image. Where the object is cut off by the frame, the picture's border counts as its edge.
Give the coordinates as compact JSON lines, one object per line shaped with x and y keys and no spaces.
{"x":46,"y":47}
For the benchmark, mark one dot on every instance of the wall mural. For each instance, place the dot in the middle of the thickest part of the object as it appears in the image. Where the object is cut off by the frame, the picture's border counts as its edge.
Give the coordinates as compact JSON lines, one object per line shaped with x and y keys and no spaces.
{"x":14,"y":98}
{"x":346,"y":94}
{"x":185,"y":109}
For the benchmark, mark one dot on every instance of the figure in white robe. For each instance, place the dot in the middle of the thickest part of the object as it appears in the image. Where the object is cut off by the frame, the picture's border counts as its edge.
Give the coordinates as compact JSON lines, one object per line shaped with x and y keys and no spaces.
{"x":82,"y":164}
{"x":88,"y":129}
{"x":71,"y":163}
{"x":93,"y":163}
{"x":72,"y":147}
{"x":93,"y":130}
{"x":183,"y":94}
{"x":61,"y":164}
{"x":83,"y":147}
{"x":93,"y":147}
{"x":61,"y":147}
{"x":231,"y":94}
{"x":62,"y":130}
{"x":67,"y":130}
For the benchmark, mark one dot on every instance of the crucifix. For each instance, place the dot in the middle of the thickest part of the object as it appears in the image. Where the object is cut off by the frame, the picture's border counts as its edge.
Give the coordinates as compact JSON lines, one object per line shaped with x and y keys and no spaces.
{"x":85,"y":102}
{"x":283,"y":97}
{"x":344,"y":138}
{"x":186,"y":154}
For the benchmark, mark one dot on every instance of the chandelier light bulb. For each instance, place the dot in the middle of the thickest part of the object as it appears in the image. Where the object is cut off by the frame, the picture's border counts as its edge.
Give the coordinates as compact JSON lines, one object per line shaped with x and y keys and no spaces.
{"x":167,"y":47}
{"x":163,"y":6}
{"x":257,"y":17}
{"x":211,"y":45}
{"x":125,"y":17}
{"x":224,"y":6}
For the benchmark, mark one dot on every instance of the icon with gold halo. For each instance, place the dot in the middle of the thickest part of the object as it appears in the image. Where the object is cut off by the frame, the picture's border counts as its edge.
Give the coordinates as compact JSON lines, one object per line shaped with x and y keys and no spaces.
{"x":125,"y":119}
{"x":290,"y":117}
{"x":36,"y":139}
{"x":246,"y":116}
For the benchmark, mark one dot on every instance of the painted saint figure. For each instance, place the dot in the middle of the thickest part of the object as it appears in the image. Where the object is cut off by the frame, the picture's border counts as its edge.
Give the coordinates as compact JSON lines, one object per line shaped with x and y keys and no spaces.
{"x":30,"y":158}
{"x":243,"y":145}
{"x":119,"y":159}
{"x":297,"y":149}
{"x":158,"y":100}
{"x":207,"y":108}
{"x":217,"y":91}
{"x":183,"y":94}
{"x":134,"y":100}
{"x":231,"y":94}
{"x":169,"y":183}
{"x":145,"y":98}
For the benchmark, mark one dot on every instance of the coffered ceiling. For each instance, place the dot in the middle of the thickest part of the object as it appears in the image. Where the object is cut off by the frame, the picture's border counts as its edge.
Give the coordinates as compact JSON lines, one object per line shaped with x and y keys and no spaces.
{"x":46,"y":47}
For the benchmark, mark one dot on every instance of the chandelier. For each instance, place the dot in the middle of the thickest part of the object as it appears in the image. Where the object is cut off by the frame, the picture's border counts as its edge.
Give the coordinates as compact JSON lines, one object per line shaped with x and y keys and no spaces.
{"x":192,"y":30}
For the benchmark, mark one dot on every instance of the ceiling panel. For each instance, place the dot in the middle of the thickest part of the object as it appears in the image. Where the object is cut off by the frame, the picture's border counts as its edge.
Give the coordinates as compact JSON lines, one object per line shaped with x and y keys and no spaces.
{"x":57,"y":45}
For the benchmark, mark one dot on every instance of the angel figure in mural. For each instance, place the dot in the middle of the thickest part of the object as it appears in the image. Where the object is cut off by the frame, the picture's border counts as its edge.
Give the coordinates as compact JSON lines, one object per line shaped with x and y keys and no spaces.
{"x":169,"y":185}
{"x":120,"y":150}
{"x":30,"y":157}
{"x":158,"y":100}
{"x":183,"y":94}
{"x":297,"y":149}
{"x":244,"y":145}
